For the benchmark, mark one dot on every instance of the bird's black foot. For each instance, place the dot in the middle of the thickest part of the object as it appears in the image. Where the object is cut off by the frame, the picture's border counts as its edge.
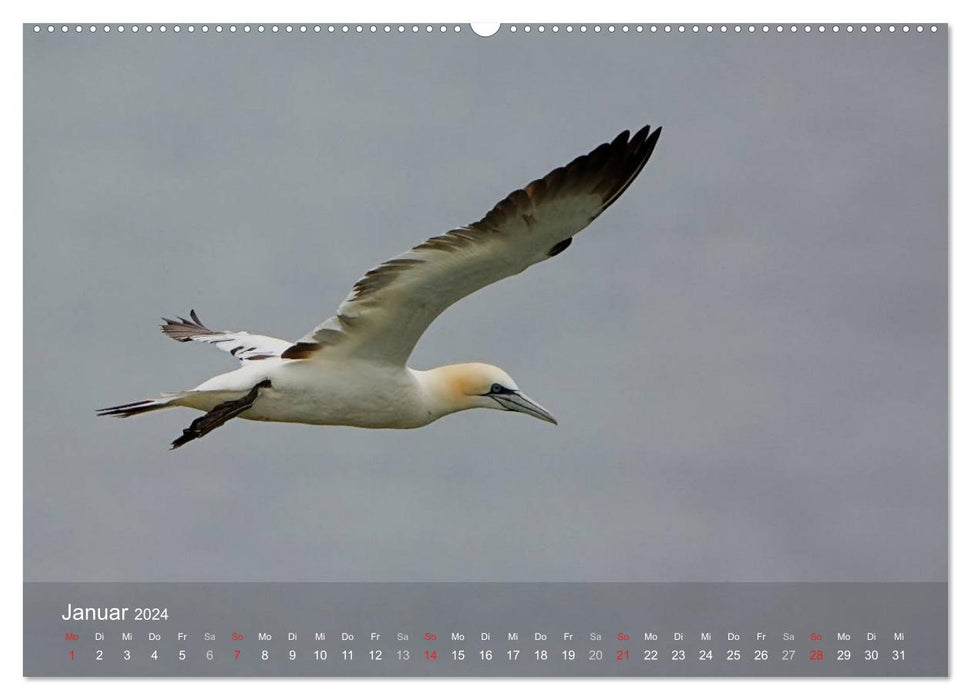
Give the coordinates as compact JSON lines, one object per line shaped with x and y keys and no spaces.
{"x":219,"y":415}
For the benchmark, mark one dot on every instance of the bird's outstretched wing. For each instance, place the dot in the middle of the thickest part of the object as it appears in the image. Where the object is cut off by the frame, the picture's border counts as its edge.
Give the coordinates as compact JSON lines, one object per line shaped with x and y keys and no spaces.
{"x":391,"y":306}
{"x":245,"y":347}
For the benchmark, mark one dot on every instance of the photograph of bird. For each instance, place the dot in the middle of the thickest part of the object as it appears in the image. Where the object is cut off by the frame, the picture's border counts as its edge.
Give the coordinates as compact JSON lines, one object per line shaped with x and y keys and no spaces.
{"x":352,"y":369}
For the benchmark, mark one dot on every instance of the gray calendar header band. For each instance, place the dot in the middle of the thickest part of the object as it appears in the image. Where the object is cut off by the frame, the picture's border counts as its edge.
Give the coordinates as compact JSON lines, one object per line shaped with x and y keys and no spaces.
{"x":489,"y":629}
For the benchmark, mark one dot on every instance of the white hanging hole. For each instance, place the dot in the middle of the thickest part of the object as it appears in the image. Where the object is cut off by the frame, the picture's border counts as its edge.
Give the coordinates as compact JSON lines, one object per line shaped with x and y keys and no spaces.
{"x":485,"y":28}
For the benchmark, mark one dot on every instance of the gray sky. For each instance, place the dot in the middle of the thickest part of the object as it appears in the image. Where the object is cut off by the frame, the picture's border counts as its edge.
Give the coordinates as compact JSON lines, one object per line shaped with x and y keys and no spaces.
{"x":747,"y":353}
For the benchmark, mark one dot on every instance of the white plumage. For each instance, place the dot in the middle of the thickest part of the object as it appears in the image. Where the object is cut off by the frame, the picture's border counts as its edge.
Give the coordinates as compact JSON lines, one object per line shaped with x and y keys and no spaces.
{"x":351,"y":369}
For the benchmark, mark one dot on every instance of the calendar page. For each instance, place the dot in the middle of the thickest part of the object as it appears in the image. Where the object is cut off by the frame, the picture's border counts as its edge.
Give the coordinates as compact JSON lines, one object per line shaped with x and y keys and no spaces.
{"x":523,"y":350}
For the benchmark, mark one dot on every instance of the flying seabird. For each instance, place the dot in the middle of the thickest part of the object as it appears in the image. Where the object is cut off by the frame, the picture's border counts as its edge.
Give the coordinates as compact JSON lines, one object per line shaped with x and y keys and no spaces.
{"x":352,"y":368}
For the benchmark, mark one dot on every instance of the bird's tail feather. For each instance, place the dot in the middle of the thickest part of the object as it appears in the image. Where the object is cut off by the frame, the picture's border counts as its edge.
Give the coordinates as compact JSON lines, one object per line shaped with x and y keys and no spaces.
{"x":135,"y":408}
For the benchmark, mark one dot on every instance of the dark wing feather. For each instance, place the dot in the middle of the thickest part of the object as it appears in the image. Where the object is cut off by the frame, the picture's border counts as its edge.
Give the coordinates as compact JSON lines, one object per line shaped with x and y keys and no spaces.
{"x":391,"y":305}
{"x":243,"y":346}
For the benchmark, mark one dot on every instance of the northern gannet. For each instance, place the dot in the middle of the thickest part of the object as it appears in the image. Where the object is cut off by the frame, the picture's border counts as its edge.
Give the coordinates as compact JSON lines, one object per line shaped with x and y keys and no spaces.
{"x":352,"y":368}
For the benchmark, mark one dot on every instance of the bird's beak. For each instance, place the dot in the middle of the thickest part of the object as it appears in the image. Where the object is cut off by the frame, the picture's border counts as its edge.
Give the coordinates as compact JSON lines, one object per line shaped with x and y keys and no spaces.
{"x":519,"y":402}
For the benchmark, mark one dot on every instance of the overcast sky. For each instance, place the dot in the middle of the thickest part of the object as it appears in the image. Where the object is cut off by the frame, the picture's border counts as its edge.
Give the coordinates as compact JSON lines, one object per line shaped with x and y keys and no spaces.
{"x":746,"y":353}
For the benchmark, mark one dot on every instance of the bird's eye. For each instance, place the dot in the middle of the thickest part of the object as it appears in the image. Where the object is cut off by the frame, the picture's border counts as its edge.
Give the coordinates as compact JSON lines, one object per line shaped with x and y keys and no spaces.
{"x":497,"y":389}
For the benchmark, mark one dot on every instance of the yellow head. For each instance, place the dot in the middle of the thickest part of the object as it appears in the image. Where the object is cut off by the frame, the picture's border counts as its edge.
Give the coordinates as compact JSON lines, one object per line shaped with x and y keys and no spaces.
{"x":478,"y":385}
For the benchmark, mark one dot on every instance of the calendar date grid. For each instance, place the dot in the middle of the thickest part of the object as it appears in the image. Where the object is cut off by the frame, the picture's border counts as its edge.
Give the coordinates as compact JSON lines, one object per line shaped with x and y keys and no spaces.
{"x":485,"y":629}
{"x":488,"y":647}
